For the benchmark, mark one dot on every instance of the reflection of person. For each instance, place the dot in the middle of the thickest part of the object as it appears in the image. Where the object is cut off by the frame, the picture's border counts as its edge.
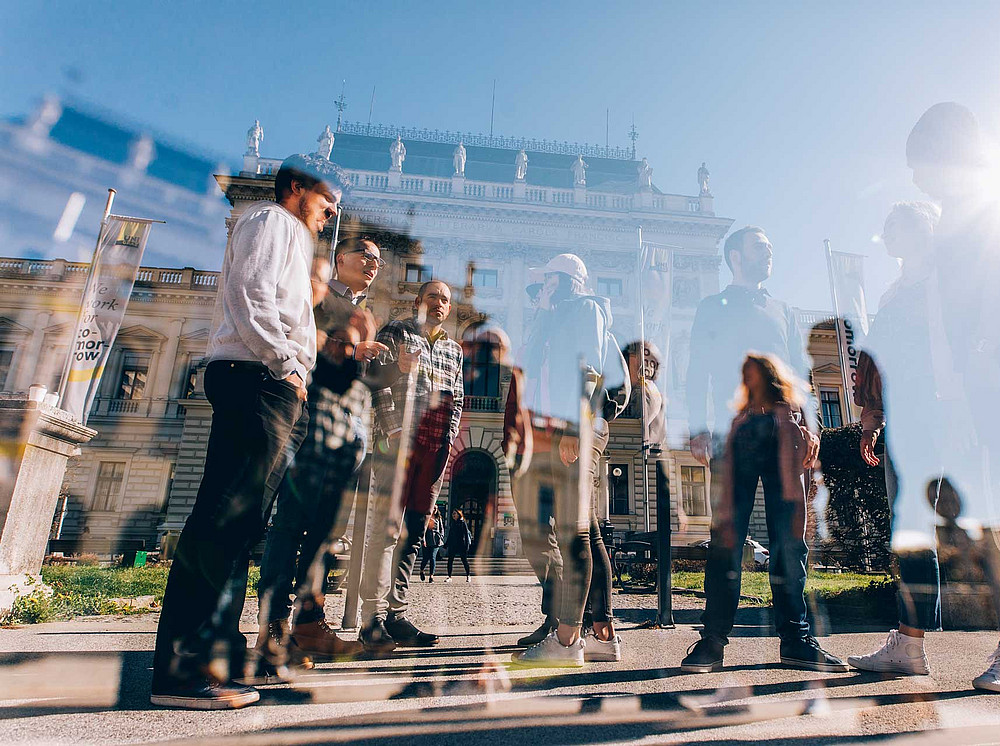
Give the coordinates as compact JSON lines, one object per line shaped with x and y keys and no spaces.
{"x":904,"y":376}
{"x":767,"y":443}
{"x":743,"y":318}
{"x":309,"y":511}
{"x":570,"y":341}
{"x":459,"y":543}
{"x":431,"y":543}
{"x":262,"y":347}
{"x":431,"y":384}
{"x":948,"y":157}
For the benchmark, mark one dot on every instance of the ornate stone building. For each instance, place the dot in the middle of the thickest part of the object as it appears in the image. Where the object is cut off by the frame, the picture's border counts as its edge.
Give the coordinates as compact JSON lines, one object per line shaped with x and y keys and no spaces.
{"x":480,"y":222}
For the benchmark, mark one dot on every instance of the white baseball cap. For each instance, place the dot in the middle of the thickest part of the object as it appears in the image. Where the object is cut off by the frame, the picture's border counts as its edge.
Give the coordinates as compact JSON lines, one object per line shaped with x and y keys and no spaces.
{"x":568,"y":264}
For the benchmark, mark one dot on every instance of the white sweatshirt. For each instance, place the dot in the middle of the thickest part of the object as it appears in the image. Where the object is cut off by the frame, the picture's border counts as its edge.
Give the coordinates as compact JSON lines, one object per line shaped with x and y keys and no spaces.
{"x":263,"y":311}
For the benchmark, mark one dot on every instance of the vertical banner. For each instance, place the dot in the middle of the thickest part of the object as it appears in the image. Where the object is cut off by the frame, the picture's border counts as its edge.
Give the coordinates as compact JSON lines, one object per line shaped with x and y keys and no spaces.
{"x":847,"y":290}
{"x":109,"y":286}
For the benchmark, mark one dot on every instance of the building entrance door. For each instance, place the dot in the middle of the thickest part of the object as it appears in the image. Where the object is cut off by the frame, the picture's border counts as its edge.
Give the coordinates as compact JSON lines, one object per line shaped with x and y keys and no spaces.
{"x":473,"y":491}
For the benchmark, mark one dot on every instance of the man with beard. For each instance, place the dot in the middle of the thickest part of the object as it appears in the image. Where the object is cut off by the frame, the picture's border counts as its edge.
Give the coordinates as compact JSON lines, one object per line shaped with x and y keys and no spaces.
{"x":261,"y":349}
{"x":743,"y":318}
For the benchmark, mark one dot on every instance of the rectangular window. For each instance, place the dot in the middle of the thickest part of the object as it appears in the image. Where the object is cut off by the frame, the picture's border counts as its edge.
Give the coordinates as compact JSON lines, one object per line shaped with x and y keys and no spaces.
{"x":618,"y":489}
{"x":191,"y":383}
{"x":830,"y":402}
{"x":419,"y":273}
{"x":484,"y":278}
{"x":107,"y":491}
{"x":609,"y":287}
{"x":135,"y":370}
{"x":6,"y":358}
{"x":693,"y":494}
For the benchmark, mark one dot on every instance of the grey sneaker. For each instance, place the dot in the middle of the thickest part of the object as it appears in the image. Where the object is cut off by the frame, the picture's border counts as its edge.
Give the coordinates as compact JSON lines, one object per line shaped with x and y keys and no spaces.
{"x":989,"y":681}
{"x":596,"y":649}
{"x":899,"y":654}
{"x":550,"y":653}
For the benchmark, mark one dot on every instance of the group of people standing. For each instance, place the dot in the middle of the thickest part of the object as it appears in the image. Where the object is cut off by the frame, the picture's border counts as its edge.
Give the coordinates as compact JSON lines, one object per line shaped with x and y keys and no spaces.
{"x":309,"y":398}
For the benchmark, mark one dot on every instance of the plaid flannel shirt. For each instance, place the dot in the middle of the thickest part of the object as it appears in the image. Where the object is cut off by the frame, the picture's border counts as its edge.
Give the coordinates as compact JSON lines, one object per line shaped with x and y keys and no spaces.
{"x":439,"y":389}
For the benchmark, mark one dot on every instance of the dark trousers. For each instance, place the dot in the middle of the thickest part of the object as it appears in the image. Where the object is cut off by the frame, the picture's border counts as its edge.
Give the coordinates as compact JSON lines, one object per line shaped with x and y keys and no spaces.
{"x":462,"y":553}
{"x":310,"y":514}
{"x":598,"y":608}
{"x":257,"y":424}
{"x":786,"y":536}
{"x":403,"y":559}
{"x":428,"y":556}
{"x":540,"y":547}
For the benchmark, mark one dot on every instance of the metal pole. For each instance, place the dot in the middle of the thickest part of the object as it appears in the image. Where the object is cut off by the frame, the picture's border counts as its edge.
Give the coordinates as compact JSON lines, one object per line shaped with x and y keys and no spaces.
{"x":86,"y":289}
{"x":664,"y":577}
{"x":333,"y":242}
{"x":359,"y":540}
{"x":642,"y":392}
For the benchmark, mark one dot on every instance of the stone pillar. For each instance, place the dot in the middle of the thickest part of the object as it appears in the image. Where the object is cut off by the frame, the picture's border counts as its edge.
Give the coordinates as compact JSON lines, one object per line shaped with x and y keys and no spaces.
{"x":458,"y":184}
{"x":395,"y":178}
{"x":520,"y":189}
{"x":707,"y":204}
{"x":31,"y":356}
{"x":37,"y":440}
{"x":166,"y":361}
{"x":579,"y":195}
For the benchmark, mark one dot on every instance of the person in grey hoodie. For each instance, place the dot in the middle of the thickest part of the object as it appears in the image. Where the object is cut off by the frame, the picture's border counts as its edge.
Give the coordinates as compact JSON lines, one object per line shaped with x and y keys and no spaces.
{"x":261,"y":349}
{"x":572,"y":361}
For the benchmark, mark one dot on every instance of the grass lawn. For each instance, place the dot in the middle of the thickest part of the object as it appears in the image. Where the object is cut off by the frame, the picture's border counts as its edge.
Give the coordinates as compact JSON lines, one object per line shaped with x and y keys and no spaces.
{"x":845,"y":587}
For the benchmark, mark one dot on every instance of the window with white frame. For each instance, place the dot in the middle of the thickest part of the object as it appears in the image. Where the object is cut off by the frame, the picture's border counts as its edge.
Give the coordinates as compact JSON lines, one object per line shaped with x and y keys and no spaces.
{"x":609,"y":287}
{"x":135,"y":372}
{"x":694,"y":495}
{"x":829,"y":400}
{"x":485,"y":278}
{"x":419,"y":273}
{"x":108,"y":487}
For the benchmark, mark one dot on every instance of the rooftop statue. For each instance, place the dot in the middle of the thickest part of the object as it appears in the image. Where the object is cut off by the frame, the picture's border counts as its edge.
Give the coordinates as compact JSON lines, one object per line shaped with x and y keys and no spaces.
{"x":459,"y":159}
{"x":579,"y":169}
{"x":255,"y":136}
{"x":520,"y":165}
{"x":325,"y":141}
{"x":645,"y":175}
{"x":703,"y":180}
{"x":397,"y":151}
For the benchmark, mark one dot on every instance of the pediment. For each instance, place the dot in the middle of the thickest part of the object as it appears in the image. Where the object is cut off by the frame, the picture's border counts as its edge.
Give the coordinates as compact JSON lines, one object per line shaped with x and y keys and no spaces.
{"x":140,"y":332}
{"x":832,"y":368}
{"x":10,"y":328}
{"x":198,"y":335}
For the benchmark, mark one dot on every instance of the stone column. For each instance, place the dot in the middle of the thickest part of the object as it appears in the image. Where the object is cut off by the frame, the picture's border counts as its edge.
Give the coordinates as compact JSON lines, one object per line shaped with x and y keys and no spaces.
{"x":31,"y":357}
{"x":165,"y":364}
{"x":579,"y":195}
{"x":37,"y":440}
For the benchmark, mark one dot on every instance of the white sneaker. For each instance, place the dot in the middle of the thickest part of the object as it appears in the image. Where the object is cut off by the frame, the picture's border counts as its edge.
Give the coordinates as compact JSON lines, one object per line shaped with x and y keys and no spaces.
{"x":597,"y":649}
{"x":989,"y":681}
{"x":899,"y":654}
{"x":447,"y":580}
{"x":550,"y":653}
{"x":468,"y":578}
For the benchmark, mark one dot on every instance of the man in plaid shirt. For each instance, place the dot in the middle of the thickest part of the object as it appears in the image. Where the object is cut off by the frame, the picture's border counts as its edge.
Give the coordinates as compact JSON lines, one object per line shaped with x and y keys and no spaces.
{"x":430,"y":384}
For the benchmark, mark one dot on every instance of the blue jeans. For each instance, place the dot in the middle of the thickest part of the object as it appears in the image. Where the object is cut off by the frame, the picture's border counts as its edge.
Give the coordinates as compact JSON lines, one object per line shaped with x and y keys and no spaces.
{"x":786,"y":536}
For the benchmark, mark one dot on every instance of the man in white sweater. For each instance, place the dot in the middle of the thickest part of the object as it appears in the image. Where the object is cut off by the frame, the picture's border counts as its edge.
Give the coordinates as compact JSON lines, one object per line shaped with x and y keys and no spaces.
{"x":261,"y":349}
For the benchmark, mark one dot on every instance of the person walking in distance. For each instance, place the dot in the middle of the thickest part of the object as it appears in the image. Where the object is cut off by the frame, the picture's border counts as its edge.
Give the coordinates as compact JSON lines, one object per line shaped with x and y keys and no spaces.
{"x":431,"y":545}
{"x":310,"y":512}
{"x":727,"y":326}
{"x":417,"y":416}
{"x":261,"y":348}
{"x":459,"y":543}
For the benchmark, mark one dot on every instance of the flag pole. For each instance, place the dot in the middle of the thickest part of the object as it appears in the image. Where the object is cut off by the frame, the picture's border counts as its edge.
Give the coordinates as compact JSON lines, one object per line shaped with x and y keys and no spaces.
{"x":838,"y":322}
{"x":86,"y":289}
{"x":642,"y":389}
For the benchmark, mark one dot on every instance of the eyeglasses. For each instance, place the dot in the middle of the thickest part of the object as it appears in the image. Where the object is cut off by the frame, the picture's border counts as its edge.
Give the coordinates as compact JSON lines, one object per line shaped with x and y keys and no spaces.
{"x":370,"y":258}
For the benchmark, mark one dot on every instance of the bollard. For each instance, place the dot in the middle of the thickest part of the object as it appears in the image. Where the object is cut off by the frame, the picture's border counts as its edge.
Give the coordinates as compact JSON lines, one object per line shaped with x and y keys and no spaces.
{"x":664,"y":582}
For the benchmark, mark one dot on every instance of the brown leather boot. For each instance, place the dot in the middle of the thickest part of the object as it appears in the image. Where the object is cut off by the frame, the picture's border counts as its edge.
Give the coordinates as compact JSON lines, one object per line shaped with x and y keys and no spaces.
{"x":316,"y":639}
{"x":274,"y":652}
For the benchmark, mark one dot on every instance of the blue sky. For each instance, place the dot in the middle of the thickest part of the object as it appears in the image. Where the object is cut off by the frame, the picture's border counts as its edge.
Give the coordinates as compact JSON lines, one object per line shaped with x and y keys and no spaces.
{"x":800,"y":109}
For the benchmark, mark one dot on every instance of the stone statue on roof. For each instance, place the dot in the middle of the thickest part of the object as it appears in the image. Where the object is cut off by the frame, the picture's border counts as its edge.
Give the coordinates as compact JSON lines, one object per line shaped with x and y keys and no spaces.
{"x":520,"y":165}
{"x":325,"y":141}
{"x":458,"y":158}
{"x":703,"y":180}
{"x":579,"y":169}
{"x":645,"y":175}
{"x":255,"y":136}
{"x":397,"y":151}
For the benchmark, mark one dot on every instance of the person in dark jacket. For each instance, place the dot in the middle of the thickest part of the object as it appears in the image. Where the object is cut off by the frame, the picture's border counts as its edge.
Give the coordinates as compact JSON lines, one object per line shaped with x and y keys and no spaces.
{"x":459,"y":543}
{"x":433,"y":539}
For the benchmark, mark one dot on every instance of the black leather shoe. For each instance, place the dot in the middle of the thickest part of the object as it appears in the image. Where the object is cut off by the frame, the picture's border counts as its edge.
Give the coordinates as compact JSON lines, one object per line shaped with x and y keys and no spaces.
{"x":376,"y":640}
{"x":405,"y":634}
{"x":538,"y":635}
{"x":204,"y":693}
{"x":704,"y":656}
{"x":808,"y":655}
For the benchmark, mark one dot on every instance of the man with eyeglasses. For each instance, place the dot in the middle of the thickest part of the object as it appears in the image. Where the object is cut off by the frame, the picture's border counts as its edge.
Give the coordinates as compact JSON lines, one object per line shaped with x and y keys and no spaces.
{"x":260,"y":351}
{"x":311,"y":512}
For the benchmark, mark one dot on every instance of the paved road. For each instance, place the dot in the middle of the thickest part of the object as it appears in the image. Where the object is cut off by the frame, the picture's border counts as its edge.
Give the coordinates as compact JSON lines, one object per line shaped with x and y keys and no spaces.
{"x":86,"y":681}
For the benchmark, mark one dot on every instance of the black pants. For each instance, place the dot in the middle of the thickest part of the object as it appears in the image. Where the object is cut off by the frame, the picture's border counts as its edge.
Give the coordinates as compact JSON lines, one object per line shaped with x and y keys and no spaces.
{"x":461,"y":552}
{"x":429,"y":555}
{"x":257,"y":424}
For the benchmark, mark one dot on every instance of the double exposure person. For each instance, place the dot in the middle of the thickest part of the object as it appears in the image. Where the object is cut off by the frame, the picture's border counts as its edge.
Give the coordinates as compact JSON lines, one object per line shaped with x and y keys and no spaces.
{"x":572,"y":360}
{"x":310,"y":510}
{"x":418,"y":412}
{"x":261,"y":349}
{"x":727,"y":326}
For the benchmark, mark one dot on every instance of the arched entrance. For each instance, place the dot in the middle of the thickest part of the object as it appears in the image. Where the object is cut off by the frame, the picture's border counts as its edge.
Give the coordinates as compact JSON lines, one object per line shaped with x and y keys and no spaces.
{"x":474,"y":489}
